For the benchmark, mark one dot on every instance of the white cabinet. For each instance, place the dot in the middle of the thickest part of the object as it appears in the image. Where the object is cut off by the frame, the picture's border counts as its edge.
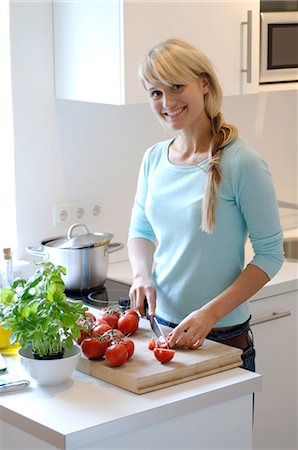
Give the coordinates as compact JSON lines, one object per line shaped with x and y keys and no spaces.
{"x":98,"y":45}
{"x":275,"y":334}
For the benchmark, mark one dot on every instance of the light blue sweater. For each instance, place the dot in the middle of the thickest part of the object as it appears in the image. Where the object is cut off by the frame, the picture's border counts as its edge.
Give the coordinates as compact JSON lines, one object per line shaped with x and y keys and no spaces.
{"x":191,"y":266}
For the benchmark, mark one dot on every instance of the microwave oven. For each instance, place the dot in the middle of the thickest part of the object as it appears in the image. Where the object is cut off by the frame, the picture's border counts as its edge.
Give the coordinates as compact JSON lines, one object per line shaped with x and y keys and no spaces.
{"x":279,"y":47}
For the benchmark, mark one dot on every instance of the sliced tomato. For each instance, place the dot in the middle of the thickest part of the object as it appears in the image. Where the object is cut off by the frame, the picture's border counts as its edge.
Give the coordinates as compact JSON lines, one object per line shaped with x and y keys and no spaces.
{"x":116,"y":355}
{"x":162,"y":342}
{"x":164,"y":355}
{"x":152,"y":344}
{"x":94,"y":348}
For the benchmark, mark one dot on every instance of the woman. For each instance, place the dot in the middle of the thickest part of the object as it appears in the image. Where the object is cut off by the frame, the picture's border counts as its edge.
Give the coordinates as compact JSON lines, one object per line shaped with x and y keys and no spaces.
{"x":199,"y":195}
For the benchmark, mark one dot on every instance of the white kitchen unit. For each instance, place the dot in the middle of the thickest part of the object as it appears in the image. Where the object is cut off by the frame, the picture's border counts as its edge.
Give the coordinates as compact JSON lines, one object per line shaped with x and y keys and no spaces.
{"x":274,"y":325}
{"x":98,"y":45}
{"x":86,"y":413}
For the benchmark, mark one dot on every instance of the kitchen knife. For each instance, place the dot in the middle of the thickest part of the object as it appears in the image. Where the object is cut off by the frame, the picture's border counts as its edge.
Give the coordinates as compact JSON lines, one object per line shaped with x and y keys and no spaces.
{"x":155,"y":327}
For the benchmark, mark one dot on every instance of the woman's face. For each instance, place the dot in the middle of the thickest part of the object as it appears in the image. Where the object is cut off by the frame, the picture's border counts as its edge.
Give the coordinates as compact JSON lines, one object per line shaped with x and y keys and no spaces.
{"x":179,"y":106}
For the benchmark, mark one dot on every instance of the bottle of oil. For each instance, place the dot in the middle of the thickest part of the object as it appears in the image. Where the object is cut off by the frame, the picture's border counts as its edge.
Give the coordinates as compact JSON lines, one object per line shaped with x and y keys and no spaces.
{"x":7,"y":278}
{"x":7,"y":268}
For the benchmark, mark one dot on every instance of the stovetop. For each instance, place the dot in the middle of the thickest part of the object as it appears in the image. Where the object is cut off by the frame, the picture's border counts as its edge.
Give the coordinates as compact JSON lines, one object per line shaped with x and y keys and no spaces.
{"x":112,"y":293}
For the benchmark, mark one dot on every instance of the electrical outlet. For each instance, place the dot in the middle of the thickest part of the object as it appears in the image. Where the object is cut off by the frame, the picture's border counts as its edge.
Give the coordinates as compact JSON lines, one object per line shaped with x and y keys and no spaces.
{"x":79,"y":211}
{"x":95,"y":209}
{"x":61,"y":215}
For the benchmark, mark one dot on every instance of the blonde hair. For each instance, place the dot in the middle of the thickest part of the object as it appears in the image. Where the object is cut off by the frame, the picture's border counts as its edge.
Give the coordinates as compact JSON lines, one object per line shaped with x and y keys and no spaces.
{"x":177,"y":62}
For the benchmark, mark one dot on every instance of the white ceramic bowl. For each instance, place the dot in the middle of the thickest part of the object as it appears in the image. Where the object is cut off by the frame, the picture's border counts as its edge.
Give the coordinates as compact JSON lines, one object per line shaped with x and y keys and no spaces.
{"x":50,"y":372}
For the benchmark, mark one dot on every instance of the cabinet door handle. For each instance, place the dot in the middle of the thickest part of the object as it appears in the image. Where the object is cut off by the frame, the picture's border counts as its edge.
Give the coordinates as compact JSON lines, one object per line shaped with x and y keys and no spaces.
{"x":269,"y":317}
{"x":249,"y":46}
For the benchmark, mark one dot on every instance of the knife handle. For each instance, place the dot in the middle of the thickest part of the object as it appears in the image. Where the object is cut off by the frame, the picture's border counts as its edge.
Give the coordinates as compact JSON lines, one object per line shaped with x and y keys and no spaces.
{"x":146,"y":306}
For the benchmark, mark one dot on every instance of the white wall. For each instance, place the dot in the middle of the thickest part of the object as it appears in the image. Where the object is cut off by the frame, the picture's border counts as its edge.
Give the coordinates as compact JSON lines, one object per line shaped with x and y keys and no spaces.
{"x":70,"y":151}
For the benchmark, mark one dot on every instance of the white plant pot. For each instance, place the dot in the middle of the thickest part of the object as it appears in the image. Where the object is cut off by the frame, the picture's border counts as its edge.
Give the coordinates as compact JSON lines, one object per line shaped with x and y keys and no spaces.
{"x":50,"y":372}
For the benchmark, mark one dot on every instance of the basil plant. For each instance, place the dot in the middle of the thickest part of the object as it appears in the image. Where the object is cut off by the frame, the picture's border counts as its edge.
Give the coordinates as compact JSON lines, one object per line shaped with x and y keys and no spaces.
{"x":38,"y":312}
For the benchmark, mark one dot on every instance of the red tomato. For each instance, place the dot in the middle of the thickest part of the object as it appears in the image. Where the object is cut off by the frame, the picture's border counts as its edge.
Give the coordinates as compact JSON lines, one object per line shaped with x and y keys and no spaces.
{"x":117,"y":333}
{"x":90,"y":316}
{"x":128,"y":324}
{"x":100,"y":329}
{"x":86,"y":325}
{"x":113,"y":336}
{"x":152,"y":344}
{"x":99,"y":321}
{"x":94,"y":348}
{"x":164,"y":355}
{"x":116,"y":355}
{"x":130,"y":346}
{"x":162,"y":343}
{"x":110,"y":316}
{"x":133,"y":312}
{"x":84,"y":335}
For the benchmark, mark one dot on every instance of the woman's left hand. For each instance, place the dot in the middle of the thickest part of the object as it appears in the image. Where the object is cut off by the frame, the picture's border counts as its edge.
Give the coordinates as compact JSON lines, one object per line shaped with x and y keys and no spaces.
{"x":191,"y":332}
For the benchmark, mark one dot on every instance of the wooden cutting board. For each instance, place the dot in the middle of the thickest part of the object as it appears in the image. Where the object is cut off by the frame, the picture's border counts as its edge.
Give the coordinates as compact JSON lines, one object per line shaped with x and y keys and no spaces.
{"x":143,"y":373}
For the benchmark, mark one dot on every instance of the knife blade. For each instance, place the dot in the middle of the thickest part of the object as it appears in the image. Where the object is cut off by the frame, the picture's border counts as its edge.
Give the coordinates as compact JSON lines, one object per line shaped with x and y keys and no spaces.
{"x":155,"y":327}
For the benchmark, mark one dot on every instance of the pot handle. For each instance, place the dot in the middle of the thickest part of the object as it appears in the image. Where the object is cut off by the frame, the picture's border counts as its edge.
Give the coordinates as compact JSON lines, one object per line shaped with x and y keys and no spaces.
{"x":77,"y":225}
{"x":37,"y":251}
{"x":114,"y":247}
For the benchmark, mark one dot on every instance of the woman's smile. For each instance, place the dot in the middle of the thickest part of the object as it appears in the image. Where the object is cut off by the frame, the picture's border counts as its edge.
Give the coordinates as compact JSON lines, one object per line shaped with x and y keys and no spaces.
{"x":174,"y":112}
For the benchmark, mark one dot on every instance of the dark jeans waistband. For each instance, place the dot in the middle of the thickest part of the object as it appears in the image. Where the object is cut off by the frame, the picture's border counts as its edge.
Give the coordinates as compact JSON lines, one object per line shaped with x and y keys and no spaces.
{"x":223,"y":333}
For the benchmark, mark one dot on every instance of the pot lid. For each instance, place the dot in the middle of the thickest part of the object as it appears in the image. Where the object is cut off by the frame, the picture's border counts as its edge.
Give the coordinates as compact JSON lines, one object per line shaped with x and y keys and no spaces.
{"x":83,"y":240}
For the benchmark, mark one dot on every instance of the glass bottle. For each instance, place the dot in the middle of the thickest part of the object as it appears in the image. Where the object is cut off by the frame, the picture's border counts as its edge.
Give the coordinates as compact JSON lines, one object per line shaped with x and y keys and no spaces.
{"x":7,"y":269}
{"x":7,"y":278}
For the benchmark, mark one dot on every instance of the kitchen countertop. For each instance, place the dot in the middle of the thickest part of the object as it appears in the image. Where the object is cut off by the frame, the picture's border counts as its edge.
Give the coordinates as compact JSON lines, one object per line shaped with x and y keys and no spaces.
{"x":85,"y":410}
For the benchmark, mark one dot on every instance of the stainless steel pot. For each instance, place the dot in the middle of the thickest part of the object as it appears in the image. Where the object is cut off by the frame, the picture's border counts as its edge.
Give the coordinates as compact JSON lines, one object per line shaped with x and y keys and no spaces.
{"x":85,"y":256}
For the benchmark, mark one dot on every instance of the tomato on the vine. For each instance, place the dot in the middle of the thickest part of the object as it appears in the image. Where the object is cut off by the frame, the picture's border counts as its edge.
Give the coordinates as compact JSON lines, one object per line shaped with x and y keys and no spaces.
{"x":113,"y":336}
{"x":100,"y":329}
{"x":86,"y":325}
{"x":110,"y":315}
{"x":90,"y":316}
{"x":133,"y":312}
{"x":130,"y":346}
{"x":128,"y":323}
{"x":117,"y":333}
{"x":164,"y":355}
{"x":116,"y":355}
{"x":94,"y":348}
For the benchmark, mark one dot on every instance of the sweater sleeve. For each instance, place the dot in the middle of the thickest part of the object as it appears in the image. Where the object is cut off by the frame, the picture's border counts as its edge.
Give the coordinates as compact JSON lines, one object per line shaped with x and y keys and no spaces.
{"x":255,"y":197}
{"x":139,"y":224}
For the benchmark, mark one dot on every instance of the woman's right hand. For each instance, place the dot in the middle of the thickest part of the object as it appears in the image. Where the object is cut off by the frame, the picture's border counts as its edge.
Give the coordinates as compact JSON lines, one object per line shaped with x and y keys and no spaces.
{"x":140,"y":289}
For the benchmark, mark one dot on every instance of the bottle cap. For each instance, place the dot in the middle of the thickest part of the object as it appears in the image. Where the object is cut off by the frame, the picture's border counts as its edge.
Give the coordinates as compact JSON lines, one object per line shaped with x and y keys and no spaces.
{"x":7,"y":253}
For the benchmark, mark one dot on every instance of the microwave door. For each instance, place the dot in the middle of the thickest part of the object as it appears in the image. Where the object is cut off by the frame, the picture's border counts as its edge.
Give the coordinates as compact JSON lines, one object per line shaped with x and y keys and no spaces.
{"x":279,"y":47}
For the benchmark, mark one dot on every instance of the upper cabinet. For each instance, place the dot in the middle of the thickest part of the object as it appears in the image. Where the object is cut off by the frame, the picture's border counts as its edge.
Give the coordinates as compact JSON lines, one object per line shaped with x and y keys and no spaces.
{"x":98,"y":45}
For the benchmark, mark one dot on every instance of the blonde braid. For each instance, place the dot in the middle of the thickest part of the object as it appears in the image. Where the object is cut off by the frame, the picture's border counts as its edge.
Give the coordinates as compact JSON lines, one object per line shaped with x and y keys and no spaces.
{"x":223,"y":134}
